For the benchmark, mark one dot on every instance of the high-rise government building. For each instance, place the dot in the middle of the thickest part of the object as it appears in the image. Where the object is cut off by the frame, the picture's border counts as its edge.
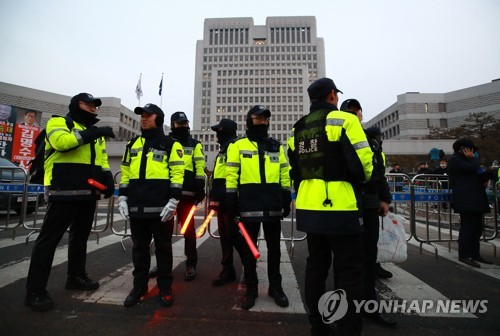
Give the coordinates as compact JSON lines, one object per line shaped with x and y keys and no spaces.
{"x":239,"y":65}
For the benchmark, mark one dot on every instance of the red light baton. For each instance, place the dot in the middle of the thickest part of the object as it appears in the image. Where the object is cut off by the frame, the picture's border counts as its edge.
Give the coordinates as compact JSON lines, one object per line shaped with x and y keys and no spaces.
{"x":188,"y":219}
{"x":203,"y":226}
{"x":248,"y":239}
{"x":96,"y":184}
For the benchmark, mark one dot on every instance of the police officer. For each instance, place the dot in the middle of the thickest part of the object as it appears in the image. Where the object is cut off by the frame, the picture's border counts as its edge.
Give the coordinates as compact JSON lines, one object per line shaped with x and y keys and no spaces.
{"x":78,"y":153}
{"x":228,"y":231}
{"x":258,"y":186}
{"x":152,"y":176}
{"x":193,"y":189}
{"x":376,"y":200}
{"x":330,"y":158}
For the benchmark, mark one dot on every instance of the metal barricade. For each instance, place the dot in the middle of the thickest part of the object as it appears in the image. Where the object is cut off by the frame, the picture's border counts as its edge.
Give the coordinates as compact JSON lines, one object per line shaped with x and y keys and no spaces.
{"x":124,"y":233}
{"x":431,"y":205}
{"x":399,"y":186}
{"x":33,"y":228}
{"x":20,"y":197}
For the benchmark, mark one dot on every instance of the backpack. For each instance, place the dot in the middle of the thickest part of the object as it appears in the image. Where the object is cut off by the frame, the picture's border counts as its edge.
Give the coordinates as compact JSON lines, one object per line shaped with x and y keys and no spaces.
{"x":36,"y":165}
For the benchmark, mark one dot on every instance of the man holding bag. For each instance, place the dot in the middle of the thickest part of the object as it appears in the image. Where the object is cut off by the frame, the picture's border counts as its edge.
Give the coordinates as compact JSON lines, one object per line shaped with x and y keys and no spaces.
{"x":152,"y":176}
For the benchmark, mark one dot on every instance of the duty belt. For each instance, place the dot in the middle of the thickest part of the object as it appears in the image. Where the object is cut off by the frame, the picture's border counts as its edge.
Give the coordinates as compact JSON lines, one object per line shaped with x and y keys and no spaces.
{"x":69,"y":192}
{"x":146,"y":209}
{"x":260,"y":213}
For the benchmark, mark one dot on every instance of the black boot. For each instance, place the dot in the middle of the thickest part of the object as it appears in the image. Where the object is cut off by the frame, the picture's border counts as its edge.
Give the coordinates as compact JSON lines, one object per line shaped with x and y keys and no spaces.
{"x":249,"y":300}
{"x":226,"y":276}
{"x":383,"y":273}
{"x":81,"y":282}
{"x":278,"y":295}
{"x":135,"y":296}
{"x":38,"y":300}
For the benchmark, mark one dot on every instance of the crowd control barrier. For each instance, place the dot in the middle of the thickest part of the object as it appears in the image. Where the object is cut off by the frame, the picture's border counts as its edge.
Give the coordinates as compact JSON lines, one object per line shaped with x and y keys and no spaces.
{"x":17,"y":196}
{"x":426,"y":200}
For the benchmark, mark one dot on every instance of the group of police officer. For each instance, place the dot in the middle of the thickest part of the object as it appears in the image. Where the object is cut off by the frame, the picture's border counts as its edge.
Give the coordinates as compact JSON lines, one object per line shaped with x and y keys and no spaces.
{"x":330,"y":158}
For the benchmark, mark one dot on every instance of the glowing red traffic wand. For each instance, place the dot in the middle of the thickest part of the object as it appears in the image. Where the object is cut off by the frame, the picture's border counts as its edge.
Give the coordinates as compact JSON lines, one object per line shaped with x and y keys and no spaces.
{"x":203,"y":226}
{"x":248,"y":239}
{"x":96,"y":184}
{"x":188,"y":219}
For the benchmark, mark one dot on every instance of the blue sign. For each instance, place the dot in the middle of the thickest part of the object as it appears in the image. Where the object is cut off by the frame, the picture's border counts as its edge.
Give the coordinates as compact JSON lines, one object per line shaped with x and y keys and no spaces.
{"x":13,"y":187}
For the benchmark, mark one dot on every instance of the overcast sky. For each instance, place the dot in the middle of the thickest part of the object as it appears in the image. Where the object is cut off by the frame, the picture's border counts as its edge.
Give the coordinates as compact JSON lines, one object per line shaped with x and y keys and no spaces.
{"x":375,"y":50}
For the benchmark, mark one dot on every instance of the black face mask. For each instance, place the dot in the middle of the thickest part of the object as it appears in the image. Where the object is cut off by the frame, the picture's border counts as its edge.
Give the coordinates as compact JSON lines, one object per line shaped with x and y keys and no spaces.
{"x":181,"y":133}
{"x":257,"y":132}
{"x":224,"y":137}
{"x":81,"y":116}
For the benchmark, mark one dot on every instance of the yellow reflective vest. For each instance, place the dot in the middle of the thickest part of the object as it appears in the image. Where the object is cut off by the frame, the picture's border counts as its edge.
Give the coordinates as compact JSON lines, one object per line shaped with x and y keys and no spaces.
{"x":152,"y":172}
{"x":333,"y":207}
{"x":73,"y":162}
{"x":194,"y":168}
{"x":258,"y":172}
{"x":217,"y":191}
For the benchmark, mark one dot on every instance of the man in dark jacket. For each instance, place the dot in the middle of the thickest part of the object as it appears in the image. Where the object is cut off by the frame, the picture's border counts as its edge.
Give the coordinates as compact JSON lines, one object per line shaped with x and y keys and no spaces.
{"x":469,"y":199}
{"x":376,"y":200}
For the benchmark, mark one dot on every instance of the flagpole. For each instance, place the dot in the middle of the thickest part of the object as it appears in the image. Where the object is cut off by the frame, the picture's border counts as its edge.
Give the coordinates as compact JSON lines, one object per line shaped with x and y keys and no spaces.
{"x":161,"y":91}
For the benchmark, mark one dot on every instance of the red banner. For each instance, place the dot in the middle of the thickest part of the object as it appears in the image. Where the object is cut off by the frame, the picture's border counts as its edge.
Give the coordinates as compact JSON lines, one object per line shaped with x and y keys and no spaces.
{"x":23,"y":146}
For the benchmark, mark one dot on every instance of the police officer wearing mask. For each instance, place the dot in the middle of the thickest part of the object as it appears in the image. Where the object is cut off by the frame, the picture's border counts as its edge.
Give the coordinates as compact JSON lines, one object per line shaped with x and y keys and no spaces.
{"x":79,"y":153}
{"x":152,"y":176}
{"x":193,"y":189}
{"x":228,"y":231}
{"x":258,"y":186}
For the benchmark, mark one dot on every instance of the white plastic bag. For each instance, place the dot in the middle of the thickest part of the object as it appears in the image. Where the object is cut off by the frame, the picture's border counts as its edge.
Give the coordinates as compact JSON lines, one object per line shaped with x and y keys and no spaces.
{"x":391,"y":244}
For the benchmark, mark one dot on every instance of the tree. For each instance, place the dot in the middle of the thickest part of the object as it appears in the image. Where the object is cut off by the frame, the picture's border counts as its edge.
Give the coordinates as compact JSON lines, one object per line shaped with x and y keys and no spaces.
{"x":482,"y":128}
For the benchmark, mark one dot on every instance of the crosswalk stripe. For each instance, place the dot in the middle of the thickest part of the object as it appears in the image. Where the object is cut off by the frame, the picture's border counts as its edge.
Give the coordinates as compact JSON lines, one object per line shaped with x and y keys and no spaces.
{"x":264,"y":303}
{"x":19,"y":269}
{"x":115,"y":287}
{"x":406,"y":286}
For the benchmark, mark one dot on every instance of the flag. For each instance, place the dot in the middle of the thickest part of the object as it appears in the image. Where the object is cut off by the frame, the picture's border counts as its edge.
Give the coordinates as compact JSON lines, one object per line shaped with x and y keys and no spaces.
{"x":161,"y":85}
{"x":138,"y":88}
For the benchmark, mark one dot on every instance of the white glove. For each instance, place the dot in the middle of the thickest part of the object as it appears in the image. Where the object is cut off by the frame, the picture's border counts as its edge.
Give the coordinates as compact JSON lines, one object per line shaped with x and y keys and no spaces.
{"x":123,"y":206}
{"x":168,"y":211}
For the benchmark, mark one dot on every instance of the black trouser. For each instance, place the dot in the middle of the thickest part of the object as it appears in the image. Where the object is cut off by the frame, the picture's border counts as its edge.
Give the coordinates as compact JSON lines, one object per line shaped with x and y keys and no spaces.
{"x":272,"y":235}
{"x":348,"y":275}
{"x":229,"y":237}
{"x":78,"y":216}
{"x":471,"y":229}
{"x":370,"y":239}
{"x":142,"y":232}
{"x":183,"y":210}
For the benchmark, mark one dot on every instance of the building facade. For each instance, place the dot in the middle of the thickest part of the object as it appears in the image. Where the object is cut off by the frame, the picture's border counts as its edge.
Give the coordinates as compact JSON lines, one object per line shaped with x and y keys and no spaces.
{"x":125,"y":123}
{"x":413,"y":114}
{"x":239,"y":65}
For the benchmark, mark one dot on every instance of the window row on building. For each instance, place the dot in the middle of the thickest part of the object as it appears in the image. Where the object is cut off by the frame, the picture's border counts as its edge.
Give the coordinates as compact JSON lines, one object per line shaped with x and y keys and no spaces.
{"x":260,"y":72}
{"x":251,"y":90}
{"x":290,"y":35}
{"x":225,"y":36}
{"x":263,"y":63}
{"x":257,"y":57}
{"x":260,"y":81}
{"x":256,"y":99}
